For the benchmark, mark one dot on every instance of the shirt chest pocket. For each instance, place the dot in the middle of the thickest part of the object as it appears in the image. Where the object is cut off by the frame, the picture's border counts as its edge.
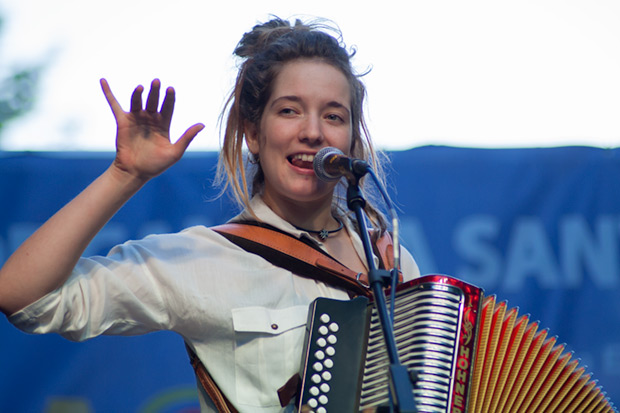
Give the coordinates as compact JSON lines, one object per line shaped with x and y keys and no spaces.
{"x":268,"y":345}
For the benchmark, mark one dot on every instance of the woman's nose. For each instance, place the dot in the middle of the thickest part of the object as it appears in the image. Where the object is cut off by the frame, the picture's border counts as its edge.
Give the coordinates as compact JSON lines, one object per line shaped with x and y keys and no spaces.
{"x":312,"y":130}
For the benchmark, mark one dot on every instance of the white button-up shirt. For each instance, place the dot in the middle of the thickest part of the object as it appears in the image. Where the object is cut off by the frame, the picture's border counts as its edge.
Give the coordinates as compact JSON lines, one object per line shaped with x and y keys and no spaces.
{"x":243,"y":316}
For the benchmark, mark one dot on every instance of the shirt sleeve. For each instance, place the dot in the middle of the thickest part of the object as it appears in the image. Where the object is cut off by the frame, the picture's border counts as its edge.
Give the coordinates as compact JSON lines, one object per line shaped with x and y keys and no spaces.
{"x":408,"y":265}
{"x":126,"y":292}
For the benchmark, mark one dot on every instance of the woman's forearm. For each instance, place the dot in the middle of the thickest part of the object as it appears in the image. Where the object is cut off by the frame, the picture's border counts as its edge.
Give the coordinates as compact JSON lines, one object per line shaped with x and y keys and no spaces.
{"x":45,"y":260}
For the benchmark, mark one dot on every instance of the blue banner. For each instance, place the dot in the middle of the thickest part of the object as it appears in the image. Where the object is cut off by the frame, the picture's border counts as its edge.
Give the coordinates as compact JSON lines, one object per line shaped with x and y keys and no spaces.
{"x":539,"y":228}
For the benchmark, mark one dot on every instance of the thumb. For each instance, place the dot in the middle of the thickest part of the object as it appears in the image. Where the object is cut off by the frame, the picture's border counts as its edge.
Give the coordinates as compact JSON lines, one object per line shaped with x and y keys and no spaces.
{"x":183,"y":143}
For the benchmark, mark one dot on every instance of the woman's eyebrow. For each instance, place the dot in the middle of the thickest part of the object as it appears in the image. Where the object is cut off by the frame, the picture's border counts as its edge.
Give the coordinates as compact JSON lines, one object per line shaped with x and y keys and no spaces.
{"x":295,"y":98}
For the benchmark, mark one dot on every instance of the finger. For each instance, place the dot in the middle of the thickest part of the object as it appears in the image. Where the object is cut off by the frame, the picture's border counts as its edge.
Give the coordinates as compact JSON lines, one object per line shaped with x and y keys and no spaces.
{"x":168,"y":106}
{"x":187,"y":138}
{"x":153,"y":99}
{"x":107,"y":92}
{"x":136,"y":99}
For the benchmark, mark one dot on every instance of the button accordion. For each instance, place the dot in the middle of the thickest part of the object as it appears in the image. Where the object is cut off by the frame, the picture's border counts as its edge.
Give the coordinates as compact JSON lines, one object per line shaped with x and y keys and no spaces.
{"x":465,"y":353}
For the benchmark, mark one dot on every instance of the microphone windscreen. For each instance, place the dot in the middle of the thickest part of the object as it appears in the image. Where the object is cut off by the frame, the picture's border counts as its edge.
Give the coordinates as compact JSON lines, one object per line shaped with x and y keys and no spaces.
{"x":319,"y":164}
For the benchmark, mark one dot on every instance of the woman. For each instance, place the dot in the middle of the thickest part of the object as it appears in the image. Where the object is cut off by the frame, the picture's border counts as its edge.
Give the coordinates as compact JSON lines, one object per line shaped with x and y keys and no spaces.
{"x":295,"y":94}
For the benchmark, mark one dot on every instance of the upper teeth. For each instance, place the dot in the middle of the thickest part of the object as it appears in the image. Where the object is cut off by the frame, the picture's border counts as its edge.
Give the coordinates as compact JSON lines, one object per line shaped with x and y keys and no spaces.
{"x":304,"y":157}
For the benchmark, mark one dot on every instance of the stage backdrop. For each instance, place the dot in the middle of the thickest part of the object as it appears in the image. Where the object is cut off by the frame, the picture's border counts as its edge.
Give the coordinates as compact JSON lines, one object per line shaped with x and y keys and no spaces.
{"x":537,"y":227}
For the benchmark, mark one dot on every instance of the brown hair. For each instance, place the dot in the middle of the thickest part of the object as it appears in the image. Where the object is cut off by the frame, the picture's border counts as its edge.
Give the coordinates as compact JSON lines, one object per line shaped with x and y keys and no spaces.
{"x":265,"y":50}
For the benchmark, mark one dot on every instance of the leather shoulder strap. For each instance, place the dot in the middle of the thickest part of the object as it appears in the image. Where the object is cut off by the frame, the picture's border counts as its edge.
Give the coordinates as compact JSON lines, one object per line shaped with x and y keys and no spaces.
{"x":384,"y":248}
{"x":288,"y":252}
{"x":208,"y":384}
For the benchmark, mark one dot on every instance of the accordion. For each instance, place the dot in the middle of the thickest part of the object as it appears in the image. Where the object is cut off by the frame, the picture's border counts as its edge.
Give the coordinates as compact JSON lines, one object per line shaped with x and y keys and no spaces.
{"x":465,"y":353}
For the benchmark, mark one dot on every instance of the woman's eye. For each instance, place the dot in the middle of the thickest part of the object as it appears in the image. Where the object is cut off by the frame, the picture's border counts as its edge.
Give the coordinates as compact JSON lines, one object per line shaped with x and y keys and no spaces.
{"x":334,"y":117}
{"x":287,"y":111}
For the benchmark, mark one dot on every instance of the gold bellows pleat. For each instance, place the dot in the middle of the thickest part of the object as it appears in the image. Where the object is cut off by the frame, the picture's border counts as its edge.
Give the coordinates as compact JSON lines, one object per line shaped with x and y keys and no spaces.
{"x":519,"y":368}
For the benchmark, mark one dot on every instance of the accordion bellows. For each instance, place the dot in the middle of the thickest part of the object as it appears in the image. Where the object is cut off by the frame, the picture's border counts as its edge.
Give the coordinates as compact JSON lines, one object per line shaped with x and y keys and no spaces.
{"x":519,"y":368}
{"x":467,"y":352}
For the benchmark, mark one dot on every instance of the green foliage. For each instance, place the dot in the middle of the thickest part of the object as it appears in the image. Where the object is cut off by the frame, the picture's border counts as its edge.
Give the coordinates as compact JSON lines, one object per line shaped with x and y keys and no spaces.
{"x":17,"y":94}
{"x":17,"y":91}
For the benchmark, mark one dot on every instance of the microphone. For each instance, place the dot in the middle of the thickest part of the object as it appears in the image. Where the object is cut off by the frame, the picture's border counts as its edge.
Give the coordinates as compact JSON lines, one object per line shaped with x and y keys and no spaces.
{"x":330,"y":164}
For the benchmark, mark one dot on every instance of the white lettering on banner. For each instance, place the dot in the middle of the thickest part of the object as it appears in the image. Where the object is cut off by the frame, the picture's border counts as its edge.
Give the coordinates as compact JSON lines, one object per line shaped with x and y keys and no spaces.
{"x":529,"y":254}
{"x":598,"y":252}
{"x":582,"y":249}
{"x":473,"y":239}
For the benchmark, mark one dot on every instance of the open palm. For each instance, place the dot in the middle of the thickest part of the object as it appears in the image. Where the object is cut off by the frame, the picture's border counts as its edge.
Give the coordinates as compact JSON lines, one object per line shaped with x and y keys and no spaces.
{"x":143,"y":145}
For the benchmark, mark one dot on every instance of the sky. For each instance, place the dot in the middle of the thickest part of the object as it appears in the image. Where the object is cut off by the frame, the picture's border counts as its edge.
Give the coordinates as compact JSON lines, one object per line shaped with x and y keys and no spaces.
{"x":522,"y":73}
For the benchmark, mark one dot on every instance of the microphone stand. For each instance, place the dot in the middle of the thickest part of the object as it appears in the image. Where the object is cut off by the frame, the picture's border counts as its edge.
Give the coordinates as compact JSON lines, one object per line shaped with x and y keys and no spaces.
{"x":400,"y":382}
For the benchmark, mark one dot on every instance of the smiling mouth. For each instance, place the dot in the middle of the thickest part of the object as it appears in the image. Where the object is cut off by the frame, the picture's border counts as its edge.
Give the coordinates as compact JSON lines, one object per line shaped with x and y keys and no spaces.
{"x":302,"y":160}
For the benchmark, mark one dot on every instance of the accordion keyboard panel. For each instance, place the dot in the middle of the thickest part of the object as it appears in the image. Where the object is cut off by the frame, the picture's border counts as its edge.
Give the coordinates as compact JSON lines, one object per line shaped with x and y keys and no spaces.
{"x":333,"y":355}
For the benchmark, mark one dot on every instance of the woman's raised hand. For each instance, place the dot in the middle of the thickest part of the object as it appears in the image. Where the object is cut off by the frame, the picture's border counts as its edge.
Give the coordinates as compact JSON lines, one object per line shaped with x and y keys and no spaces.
{"x":143,"y":150}
{"x":143,"y":146}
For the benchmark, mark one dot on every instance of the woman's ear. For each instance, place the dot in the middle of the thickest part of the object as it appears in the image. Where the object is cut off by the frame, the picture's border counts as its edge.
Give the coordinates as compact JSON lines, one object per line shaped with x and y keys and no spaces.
{"x":251,"y":137}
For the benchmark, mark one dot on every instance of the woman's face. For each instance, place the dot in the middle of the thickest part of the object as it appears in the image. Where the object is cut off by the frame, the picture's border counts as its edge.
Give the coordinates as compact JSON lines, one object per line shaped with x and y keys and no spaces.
{"x":309,"y":109}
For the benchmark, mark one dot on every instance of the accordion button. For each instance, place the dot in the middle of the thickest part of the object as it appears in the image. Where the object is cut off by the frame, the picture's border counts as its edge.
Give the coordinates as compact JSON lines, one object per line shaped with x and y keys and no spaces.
{"x":328,"y":363}
{"x":325,"y":388}
{"x":316,"y":378}
{"x":330,"y":351}
{"x":323,"y":399}
{"x":321,"y":410}
{"x":331,"y":339}
{"x":312,"y":403}
{"x":317,"y":366}
{"x":323,"y":330}
{"x":319,"y":355}
{"x":325,"y":318}
{"x":334,"y":327}
{"x":327,"y":376}
{"x":314,"y":391}
{"x":321,"y":342}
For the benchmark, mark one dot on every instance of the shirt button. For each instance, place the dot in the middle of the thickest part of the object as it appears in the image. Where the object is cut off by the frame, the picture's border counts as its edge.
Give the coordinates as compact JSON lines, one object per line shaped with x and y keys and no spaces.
{"x":274,"y":326}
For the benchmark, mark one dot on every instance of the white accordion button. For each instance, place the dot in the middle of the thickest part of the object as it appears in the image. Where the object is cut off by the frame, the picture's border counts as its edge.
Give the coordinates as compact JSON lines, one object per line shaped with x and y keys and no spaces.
{"x":331,"y":339}
{"x":324,"y":388}
{"x":321,"y":342}
{"x":316,"y":378}
{"x":330,"y":351}
{"x":327,"y":376}
{"x":319,"y":354}
{"x":323,"y":399}
{"x":328,"y":363}
{"x":312,"y":403}
{"x":318,"y":366}
{"x":323,"y":330}
{"x":314,"y":391}
{"x":334,"y":327}
{"x":325,"y":318}
{"x":321,"y":410}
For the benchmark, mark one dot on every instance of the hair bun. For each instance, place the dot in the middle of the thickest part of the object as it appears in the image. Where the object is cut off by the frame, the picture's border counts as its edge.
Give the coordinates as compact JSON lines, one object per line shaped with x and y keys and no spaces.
{"x":262,"y":35}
